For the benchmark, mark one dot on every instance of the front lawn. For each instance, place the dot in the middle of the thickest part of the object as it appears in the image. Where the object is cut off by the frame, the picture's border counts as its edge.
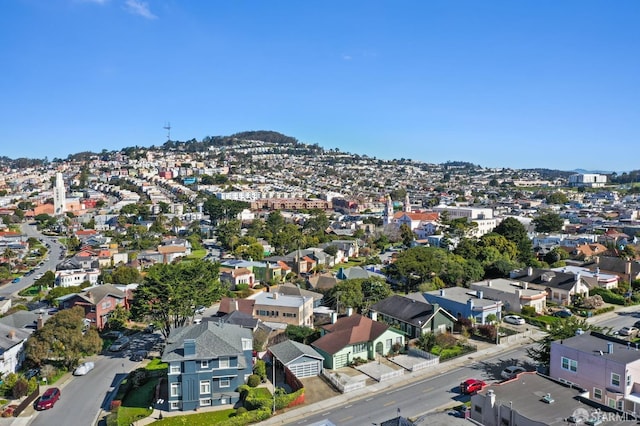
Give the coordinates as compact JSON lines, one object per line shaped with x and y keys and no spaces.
{"x":136,"y":403}
{"x":200,"y":419}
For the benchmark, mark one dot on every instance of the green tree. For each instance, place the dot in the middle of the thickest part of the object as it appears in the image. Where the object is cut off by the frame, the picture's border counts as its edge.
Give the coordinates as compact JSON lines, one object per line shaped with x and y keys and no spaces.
{"x":125,"y":275}
{"x":118,"y":318}
{"x":513,"y":230}
{"x":407,"y":235}
{"x":548,"y":222}
{"x":301,"y":334}
{"x":557,"y":198}
{"x":169,"y":293}
{"x":541,"y":353}
{"x":61,"y":338}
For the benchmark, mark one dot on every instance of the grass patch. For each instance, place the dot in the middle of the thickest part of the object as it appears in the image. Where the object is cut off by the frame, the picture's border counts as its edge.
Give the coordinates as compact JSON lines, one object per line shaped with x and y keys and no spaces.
{"x":351,"y":263}
{"x":197,"y":254}
{"x":30,"y":291}
{"x":200,"y":419}
{"x":261,"y":393}
{"x":156,"y":364}
{"x":136,"y":403}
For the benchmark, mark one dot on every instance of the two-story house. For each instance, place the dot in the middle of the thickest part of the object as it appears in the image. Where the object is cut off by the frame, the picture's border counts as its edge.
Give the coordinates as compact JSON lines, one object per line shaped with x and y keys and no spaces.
{"x":98,"y":302}
{"x":282,"y":308}
{"x":207,"y":364}
{"x":607,"y":367}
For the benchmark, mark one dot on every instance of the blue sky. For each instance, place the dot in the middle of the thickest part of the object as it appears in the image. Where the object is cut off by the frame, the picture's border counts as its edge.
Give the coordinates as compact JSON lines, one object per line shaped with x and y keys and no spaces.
{"x":541,"y":83}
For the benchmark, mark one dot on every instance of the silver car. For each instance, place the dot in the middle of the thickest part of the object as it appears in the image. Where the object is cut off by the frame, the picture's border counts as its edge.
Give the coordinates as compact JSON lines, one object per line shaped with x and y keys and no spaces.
{"x":83,"y":368}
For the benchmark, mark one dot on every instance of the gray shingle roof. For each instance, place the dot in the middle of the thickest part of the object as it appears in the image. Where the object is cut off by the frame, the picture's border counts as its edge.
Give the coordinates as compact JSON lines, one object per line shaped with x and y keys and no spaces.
{"x":213,"y":339}
{"x":289,"y":350}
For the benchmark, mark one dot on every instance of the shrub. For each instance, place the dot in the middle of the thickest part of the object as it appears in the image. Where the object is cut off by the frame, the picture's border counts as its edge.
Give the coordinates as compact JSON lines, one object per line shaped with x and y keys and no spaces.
{"x":253,"y":380}
{"x":608,"y":296}
{"x":138,"y":378}
{"x":463,"y":323}
{"x":446,"y":340}
{"x":260,"y":369}
{"x":487,"y":330}
{"x":20,"y":388}
{"x":240,"y":411}
{"x":528,"y":311}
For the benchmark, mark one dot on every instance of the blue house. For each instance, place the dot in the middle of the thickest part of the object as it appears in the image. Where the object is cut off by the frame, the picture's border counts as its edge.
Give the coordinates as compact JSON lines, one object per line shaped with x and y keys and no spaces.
{"x":207,"y":364}
{"x":464,"y":303}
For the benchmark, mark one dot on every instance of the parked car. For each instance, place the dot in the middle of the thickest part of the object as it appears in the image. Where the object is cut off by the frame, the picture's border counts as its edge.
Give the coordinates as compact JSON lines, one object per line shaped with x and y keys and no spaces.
{"x":83,"y":368}
{"x":48,"y":399}
{"x":562,"y":314}
{"x":514,"y":319}
{"x":139,"y":355}
{"x":31,"y":373}
{"x":114,"y":335}
{"x":628,"y":331}
{"x":637,"y":324}
{"x":16,"y":280}
{"x":470,"y":386}
{"x":511,"y":372}
{"x":150,"y":328}
{"x":119,"y":344}
{"x":200,"y":310}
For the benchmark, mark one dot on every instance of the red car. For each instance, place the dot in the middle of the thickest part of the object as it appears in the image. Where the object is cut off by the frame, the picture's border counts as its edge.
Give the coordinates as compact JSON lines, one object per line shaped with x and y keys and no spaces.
{"x":470,"y":386}
{"x":48,"y":399}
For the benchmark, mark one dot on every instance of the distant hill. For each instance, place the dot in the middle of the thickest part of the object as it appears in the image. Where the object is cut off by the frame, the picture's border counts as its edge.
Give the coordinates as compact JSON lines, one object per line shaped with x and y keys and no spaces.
{"x":599,"y":172}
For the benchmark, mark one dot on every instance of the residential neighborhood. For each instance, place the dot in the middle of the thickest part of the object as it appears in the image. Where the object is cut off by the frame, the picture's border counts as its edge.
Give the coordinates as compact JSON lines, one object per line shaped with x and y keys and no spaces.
{"x":256,"y":291}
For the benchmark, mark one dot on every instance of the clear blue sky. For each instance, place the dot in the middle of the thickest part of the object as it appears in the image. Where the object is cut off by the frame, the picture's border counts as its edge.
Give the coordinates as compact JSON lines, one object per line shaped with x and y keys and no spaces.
{"x":540,"y":83}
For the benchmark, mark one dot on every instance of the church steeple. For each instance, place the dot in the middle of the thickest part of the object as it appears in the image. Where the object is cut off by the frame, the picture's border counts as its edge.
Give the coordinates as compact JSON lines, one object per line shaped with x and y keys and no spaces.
{"x":388,"y":211}
{"x":407,"y":204}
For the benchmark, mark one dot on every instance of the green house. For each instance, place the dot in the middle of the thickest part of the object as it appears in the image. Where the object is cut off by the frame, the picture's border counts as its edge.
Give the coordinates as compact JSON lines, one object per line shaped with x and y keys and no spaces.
{"x":355,"y":336}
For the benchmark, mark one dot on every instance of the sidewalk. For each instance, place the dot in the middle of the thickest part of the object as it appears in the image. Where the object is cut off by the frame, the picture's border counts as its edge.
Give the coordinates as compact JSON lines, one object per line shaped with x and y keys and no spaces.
{"x":303,"y":411}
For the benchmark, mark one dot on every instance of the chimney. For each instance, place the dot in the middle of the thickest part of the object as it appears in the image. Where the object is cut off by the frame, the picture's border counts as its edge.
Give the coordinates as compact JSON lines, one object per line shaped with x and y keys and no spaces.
{"x":275,"y":296}
{"x":479,"y":294}
{"x":334,"y":317}
{"x":233,"y":306}
{"x":12,"y":334}
{"x":492,"y":397}
{"x":489,"y":283}
{"x":609,"y":348}
{"x":529,"y":271}
{"x":442,"y":293}
{"x":189,"y":347}
{"x":470,"y":303}
{"x":349,"y":311}
{"x":525,"y":285}
{"x":39,"y":322}
{"x":518,"y":293}
{"x":374,"y":316}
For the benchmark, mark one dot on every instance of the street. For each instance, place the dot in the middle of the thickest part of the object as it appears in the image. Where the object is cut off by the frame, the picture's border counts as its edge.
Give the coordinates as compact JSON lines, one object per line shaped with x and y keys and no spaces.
{"x":419,"y":397}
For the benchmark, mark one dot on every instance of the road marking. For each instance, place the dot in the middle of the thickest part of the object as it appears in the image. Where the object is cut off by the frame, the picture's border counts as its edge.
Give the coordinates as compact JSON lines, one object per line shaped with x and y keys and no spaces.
{"x":368,"y":399}
{"x":326,"y":414}
{"x":348,"y":406}
{"x":427,"y":390}
{"x":389,"y":403}
{"x":346,"y":418}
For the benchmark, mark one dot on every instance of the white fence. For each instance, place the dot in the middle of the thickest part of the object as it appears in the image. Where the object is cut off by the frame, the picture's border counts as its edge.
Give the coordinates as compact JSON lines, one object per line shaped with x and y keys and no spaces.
{"x":430,"y":360}
{"x":516,"y":337}
{"x":342,"y":382}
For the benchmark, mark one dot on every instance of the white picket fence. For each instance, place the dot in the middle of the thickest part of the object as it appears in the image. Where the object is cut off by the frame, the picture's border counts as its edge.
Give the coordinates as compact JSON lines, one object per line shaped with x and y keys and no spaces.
{"x":341,"y":384}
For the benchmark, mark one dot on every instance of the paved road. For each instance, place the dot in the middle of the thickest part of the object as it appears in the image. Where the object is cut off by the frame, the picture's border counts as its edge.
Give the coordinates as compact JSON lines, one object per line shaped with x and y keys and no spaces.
{"x":84,"y":397}
{"x":416,"y":398}
{"x":53,"y":258}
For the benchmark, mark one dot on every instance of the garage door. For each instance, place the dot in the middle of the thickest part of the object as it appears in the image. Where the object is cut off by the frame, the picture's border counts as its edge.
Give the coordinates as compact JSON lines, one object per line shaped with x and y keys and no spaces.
{"x":305,"y":369}
{"x":340,"y":360}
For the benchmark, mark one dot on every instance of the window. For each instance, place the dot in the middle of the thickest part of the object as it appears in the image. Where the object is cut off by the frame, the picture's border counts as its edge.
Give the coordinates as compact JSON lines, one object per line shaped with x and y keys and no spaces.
{"x":175,"y":369}
{"x":175,"y":405}
{"x":223,"y":363}
{"x":620,"y":404}
{"x":205,"y":387}
{"x":204,"y":364}
{"x":569,"y":364}
{"x":225,"y":382}
{"x":597,"y":394}
{"x":247,"y":344}
{"x":205,"y":402}
{"x":628,"y":380}
{"x":360,"y":347}
{"x":478,"y":409}
{"x":388,"y":344}
{"x":615,"y":379}
{"x":175,"y":389}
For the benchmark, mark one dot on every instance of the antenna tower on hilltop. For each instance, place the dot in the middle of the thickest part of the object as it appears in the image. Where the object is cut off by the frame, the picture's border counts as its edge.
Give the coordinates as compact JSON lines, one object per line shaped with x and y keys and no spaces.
{"x":168,"y":129}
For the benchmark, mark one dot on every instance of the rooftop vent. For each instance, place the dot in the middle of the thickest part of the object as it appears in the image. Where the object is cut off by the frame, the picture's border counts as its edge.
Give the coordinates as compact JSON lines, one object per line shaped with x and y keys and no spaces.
{"x":547,"y":398}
